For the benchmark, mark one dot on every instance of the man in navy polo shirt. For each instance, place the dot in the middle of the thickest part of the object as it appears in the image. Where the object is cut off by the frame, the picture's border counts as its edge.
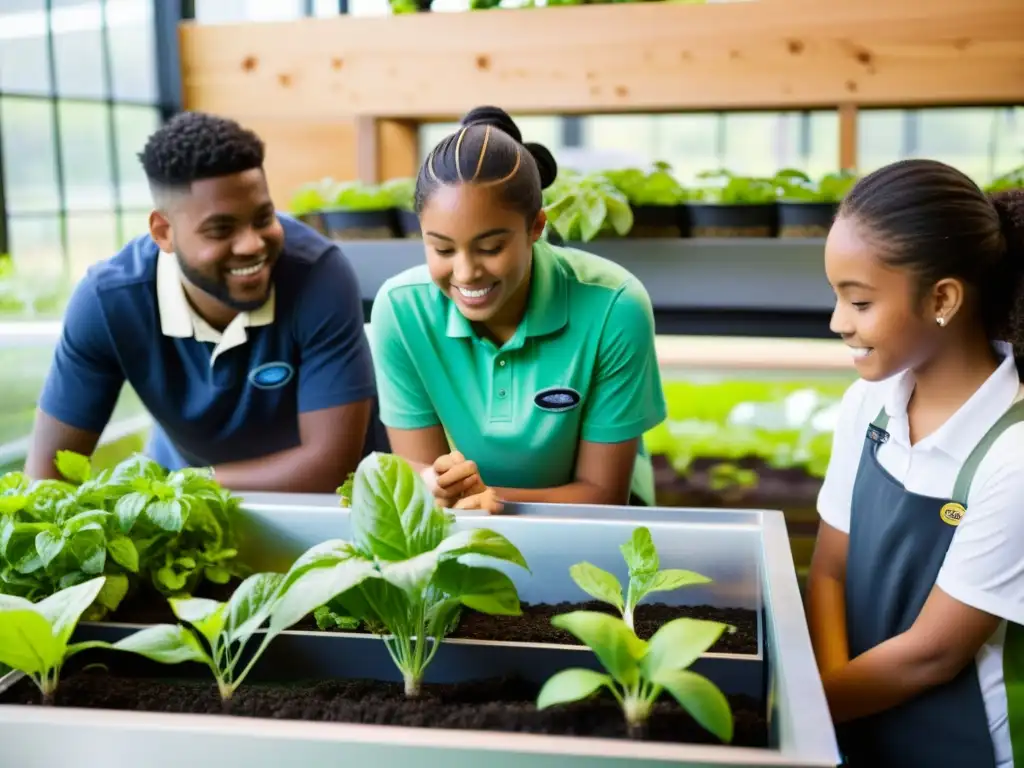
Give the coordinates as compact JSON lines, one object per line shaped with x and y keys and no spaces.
{"x":240,"y":330}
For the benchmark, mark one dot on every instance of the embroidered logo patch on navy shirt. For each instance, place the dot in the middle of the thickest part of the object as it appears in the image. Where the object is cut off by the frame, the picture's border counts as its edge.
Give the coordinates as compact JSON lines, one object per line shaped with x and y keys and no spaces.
{"x":557,"y":399}
{"x":271,"y":375}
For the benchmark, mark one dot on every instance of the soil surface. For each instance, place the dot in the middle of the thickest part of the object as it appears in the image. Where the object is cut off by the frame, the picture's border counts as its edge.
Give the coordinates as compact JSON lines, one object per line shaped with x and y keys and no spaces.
{"x":534,"y":625}
{"x":493,"y":705}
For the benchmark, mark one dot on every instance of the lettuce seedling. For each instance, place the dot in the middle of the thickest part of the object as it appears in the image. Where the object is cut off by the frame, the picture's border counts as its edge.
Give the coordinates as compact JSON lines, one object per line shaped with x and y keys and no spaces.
{"x":217,"y":634}
{"x":644,"y":577}
{"x":419,"y":580}
{"x":639,"y":671}
{"x":34,"y":636}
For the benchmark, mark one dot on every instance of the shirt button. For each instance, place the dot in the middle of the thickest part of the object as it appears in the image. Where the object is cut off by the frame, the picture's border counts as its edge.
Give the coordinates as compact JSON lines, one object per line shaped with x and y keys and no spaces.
{"x":501,"y":393}
{"x":501,"y":363}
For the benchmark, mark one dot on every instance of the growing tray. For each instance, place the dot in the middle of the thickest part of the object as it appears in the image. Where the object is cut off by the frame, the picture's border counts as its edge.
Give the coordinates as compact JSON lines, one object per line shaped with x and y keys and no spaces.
{"x":745,"y":553}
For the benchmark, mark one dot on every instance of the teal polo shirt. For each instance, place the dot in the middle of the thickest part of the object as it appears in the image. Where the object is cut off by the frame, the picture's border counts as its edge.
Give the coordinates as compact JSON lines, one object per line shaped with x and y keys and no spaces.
{"x":580,"y":366}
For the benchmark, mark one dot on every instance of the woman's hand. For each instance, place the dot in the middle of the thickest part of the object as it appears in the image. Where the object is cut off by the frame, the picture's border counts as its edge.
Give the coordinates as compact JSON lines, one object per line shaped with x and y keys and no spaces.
{"x":457,"y":484}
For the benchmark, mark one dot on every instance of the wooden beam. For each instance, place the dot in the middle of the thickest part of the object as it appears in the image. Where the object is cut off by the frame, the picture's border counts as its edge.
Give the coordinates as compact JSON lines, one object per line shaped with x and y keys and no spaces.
{"x":767,"y":54}
{"x":385,"y":149}
{"x":848,"y":137}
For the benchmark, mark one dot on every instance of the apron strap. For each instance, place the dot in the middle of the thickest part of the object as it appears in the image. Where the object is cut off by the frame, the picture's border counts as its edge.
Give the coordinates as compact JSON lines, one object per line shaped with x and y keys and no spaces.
{"x":1014,"y":415}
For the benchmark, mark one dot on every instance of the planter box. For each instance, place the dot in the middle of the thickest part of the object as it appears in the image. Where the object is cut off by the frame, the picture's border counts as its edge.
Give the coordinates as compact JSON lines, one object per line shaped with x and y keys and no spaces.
{"x":745,"y":553}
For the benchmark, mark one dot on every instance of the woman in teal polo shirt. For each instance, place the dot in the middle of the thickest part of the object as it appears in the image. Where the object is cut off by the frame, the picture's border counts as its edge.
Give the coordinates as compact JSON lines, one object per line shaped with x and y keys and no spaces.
{"x":509,"y":368}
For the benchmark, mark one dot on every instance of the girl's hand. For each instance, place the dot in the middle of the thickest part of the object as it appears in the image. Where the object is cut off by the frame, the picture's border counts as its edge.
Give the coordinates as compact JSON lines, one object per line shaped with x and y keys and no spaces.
{"x":487,"y":500}
{"x":455,"y":478}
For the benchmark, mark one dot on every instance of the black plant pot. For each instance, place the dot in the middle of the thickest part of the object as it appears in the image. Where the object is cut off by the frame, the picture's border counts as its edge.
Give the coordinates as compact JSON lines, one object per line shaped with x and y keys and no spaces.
{"x":314,"y":220}
{"x":658,"y":221}
{"x":710,"y":220}
{"x":806,"y":219}
{"x":361,"y":225}
{"x":408,"y":223}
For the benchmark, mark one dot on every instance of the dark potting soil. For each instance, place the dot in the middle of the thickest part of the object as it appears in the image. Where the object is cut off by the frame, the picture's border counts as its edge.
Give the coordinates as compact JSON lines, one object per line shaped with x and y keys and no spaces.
{"x":490,"y":705}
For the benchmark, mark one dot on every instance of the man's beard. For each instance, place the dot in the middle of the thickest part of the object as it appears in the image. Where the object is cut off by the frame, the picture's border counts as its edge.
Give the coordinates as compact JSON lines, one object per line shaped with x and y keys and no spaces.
{"x":218,"y":289}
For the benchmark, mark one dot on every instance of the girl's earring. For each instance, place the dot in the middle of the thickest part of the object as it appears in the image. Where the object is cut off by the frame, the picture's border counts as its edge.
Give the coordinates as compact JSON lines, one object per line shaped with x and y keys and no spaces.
{"x":941,"y":321}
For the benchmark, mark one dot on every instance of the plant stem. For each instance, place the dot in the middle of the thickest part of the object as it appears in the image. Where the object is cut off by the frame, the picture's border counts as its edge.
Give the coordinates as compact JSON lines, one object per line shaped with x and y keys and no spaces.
{"x":412,"y":685}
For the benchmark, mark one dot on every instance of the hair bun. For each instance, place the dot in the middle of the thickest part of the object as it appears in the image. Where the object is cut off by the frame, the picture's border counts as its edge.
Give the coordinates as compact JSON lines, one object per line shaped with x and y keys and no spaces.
{"x":546,"y":165}
{"x":1009,"y":204}
{"x":494,"y":116}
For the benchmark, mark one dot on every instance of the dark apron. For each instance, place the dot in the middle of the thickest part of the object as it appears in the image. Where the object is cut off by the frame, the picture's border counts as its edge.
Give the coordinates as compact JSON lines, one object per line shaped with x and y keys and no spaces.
{"x":898,"y":541}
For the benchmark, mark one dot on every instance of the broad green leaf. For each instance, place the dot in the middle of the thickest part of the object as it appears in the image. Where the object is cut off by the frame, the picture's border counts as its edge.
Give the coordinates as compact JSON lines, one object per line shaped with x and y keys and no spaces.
{"x":26,"y":642}
{"x":49,"y":544}
{"x":617,"y":648}
{"x":167,"y":579}
{"x":413,"y":574}
{"x":15,"y":603}
{"x":218,"y":574}
{"x":326,"y":619}
{"x":570,"y":685}
{"x":620,"y":215}
{"x":639,"y":552}
{"x":71,"y":578}
{"x":193,"y":609}
{"x":136,"y":467}
{"x":597,"y":583}
{"x":90,"y":520}
{"x":480,"y":541}
{"x":442,"y":617}
{"x":393,"y":516}
{"x":14,"y":484}
{"x":63,"y":609}
{"x":89,"y":547}
{"x":11,"y":505}
{"x":483,"y":589}
{"x":164,"y":643}
{"x":114,"y":590}
{"x":679,"y":643}
{"x":84,"y":646}
{"x":18,"y":545}
{"x":673,"y":578}
{"x":701,"y":698}
{"x":122,"y":551}
{"x":73,"y":466}
{"x":168,"y":515}
{"x":251,"y":604}
{"x":594,"y":212}
{"x":317,"y":586}
{"x":128,"y":509}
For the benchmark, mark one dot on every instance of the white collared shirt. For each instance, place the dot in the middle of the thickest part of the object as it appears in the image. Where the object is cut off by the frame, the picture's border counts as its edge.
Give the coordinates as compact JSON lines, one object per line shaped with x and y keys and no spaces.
{"x":984,"y":566}
{"x":178,"y":319}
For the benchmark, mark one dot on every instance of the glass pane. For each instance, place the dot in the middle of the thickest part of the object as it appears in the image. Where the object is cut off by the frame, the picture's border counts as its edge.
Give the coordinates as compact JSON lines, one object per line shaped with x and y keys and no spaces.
{"x":325,"y":7}
{"x":92,"y":237}
{"x":85,"y":149}
{"x":226,"y":11}
{"x":24,"y":65}
{"x":133,"y":224}
{"x":77,"y":45}
{"x":35,"y":245}
{"x":744,"y":143}
{"x":133,"y":125}
{"x":132,"y":49}
{"x":369,"y":7}
{"x":30,"y":167}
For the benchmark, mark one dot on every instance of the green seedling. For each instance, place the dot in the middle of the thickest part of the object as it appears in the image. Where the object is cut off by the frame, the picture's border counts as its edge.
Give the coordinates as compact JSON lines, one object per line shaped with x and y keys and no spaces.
{"x":644,"y":577}
{"x":639,"y":671}
{"x":34,"y":636}
{"x":418,"y":579}
{"x":217,"y":634}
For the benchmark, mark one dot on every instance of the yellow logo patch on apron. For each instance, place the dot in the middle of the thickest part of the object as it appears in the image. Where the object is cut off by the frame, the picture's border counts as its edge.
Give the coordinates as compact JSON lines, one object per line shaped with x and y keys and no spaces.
{"x":952,"y":513}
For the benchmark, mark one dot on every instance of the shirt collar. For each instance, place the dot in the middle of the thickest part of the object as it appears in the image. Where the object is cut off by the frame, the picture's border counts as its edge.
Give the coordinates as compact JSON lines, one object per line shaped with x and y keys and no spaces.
{"x":547,"y":308}
{"x":179,"y":320}
{"x":965,"y":428}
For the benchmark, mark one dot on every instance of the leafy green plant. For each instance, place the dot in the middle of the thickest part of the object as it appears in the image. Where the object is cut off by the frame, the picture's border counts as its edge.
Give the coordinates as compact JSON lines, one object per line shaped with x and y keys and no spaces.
{"x":794,"y":186}
{"x":419,"y":578}
{"x":656,"y":187}
{"x":724,"y":188}
{"x":133,"y":523}
{"x":401,"y":191}
{"x":34,"y":636}
{"x":359,"y":196}
{"x":1010,"y":180}
{"x":638,"y":671}
{"x":312,"y":197}
{"x":581,"y":207}
{"x":218,"y":634}
{"x":644,"y":576}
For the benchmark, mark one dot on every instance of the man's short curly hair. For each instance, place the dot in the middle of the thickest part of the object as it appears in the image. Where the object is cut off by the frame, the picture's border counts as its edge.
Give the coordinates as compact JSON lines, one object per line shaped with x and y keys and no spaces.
{"x":194,"y":145}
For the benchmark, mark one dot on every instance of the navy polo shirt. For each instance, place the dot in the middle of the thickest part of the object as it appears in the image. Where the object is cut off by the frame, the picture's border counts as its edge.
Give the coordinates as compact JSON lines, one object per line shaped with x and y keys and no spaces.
{"x":216,"y":397}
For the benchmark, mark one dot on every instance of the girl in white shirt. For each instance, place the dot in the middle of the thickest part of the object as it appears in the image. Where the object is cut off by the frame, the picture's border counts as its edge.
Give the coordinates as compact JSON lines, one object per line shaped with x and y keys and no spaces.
{"x":916,"y":588}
